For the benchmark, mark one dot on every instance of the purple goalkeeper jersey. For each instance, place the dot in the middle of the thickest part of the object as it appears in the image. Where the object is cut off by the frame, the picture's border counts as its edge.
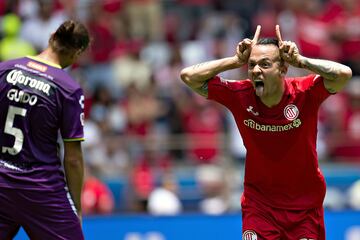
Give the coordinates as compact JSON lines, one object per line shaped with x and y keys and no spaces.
{"x":38,"y":101}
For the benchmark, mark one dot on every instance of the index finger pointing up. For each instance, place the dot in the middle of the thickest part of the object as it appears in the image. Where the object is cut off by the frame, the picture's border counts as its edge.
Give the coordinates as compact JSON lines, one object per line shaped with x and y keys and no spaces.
{"x":278,"y":34}
{"x":257,"y":34}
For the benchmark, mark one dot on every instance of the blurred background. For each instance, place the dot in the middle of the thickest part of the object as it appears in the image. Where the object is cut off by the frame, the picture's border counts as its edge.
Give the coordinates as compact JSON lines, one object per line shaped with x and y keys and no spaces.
{"x":155,"y":148}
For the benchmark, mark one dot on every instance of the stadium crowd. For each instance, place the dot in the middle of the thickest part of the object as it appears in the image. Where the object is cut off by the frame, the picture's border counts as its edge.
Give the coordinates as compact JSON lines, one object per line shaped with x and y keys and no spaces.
{"x":143,"y":124}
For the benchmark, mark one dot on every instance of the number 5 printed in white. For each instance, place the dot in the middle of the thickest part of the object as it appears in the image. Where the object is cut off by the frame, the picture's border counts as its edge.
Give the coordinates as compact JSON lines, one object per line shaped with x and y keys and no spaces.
{"x":11,"y":130}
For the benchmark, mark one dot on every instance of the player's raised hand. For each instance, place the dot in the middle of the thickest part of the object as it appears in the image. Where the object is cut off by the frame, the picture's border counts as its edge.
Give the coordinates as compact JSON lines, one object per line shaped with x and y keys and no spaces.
{"x":289,"y":51}
{"x":244,"y":47}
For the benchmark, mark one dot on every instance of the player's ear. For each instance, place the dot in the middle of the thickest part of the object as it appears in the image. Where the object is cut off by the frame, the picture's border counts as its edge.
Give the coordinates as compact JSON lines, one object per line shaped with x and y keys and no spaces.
{"x":284,"y":68}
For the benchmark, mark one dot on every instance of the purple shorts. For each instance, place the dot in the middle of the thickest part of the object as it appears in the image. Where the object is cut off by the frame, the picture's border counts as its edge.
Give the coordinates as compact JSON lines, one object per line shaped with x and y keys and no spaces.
{"x":43,"y":215}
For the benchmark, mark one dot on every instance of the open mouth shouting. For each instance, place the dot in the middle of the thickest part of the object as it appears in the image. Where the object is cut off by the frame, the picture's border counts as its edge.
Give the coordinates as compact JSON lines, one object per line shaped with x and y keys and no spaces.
{"x":259,"y":87}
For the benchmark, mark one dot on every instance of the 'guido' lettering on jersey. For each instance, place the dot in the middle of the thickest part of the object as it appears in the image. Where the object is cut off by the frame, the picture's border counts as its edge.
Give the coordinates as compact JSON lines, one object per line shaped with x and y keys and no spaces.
{"x":17,"y":77}
{"x":272,"y":128}
{"x":21,"y":96}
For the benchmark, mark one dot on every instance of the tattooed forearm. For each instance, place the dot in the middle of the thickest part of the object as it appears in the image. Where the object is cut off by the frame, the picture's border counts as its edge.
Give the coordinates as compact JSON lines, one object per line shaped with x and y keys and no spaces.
{"x":197,"y":76}
{"x":199,"y":65}
{"x":327,"y":69}
{"x":335,"y":75}
{"x":203,"y":90}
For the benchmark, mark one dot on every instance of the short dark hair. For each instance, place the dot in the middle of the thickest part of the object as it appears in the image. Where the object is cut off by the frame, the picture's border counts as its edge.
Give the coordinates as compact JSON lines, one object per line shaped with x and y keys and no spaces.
{"x":268,"y":41}
{"x":71,"y":36}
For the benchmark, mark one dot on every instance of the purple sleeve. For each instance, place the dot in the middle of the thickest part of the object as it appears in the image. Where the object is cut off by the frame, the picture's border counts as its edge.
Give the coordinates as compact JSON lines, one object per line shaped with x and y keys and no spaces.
{"x":72,"y":119}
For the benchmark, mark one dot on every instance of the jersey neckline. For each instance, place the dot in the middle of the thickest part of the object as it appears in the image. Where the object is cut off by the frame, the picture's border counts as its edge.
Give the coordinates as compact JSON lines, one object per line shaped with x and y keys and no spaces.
{"x":280,"y":105}
{"x":44,"y":61}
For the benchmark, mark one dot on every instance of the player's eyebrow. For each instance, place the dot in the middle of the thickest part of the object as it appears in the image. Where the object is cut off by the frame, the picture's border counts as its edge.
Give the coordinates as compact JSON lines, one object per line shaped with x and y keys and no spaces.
{"x":265,"y":59}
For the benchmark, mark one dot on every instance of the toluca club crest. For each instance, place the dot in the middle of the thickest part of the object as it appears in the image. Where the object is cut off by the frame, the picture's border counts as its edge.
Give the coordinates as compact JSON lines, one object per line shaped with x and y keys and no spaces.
{"x":291,"y":112}
{"x":249,"y":235}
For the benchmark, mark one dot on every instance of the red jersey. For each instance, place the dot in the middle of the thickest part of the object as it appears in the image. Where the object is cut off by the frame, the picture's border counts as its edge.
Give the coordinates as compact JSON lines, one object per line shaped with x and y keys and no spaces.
{"x":281,"y":168}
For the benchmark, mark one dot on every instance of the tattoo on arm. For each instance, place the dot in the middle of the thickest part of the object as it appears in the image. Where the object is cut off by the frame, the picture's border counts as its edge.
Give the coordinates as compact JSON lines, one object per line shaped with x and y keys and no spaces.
{"x":327,"y":69}
{"x":335,"y":74}
{"x":199,"y":65}
{"x":331,"y":90}
{"x":203,"y":90}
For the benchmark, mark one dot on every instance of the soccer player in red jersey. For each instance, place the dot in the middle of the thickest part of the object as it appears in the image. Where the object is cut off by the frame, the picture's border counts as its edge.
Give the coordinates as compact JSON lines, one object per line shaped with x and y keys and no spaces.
{"x":277,"y":118}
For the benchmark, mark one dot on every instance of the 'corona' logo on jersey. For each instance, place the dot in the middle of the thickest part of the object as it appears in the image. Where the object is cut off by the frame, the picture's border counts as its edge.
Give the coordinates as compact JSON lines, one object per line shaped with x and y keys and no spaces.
{"x":249,"y":235}
{"x":17,"y":77}
{"x":272,"y":128}
{"x":291,"y":112}
{"x":37,"y":66}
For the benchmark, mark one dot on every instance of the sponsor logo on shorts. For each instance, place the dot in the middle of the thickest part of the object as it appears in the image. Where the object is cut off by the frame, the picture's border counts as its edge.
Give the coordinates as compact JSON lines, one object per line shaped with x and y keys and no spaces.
{"x":291,"y":112}
{"x":249,"y":235}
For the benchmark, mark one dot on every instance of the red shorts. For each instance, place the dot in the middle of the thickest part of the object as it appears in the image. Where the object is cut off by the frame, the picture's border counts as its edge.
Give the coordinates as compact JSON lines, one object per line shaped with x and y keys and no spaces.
{"x":273,"y":224}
